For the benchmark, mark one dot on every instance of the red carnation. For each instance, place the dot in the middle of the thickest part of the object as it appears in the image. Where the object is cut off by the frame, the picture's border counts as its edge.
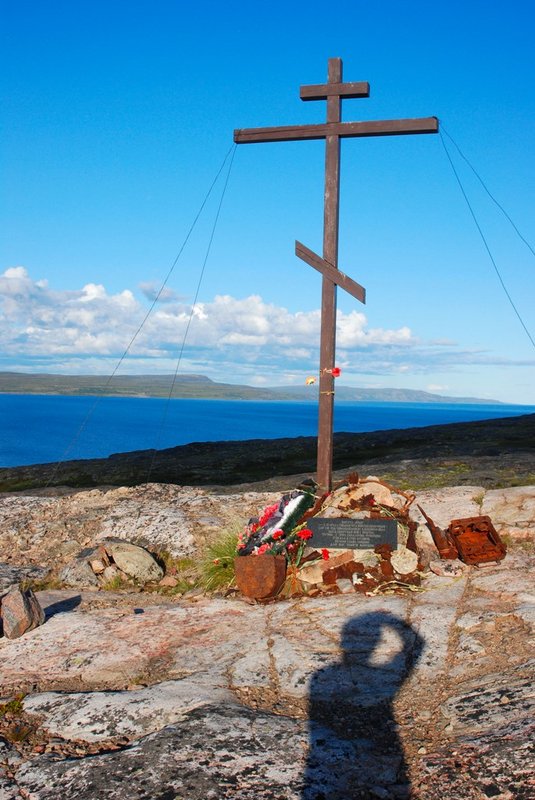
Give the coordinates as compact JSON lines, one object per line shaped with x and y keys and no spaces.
{"x":325,"y":555}
{"x":305,"y":534}
{"x":336,"y":372}
{"x":267,"y":514}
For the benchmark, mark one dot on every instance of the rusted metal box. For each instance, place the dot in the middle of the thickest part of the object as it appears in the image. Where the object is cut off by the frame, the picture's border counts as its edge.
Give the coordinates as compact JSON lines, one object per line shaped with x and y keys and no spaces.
{"x":260,"y":577}
{"x":477,"y":540}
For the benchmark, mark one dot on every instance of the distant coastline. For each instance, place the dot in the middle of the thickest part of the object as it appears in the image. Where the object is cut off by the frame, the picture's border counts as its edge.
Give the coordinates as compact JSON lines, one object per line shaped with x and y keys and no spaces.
{"x":194,"y":387}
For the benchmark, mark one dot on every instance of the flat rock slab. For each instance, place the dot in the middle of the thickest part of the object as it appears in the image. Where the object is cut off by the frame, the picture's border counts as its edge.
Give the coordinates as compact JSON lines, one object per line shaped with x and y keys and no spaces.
{"x":505,"y":703}
{"x":114,"y":647}
{"x":512,"y":509}
{"x":443,"y":505}
{"x":223,"y":752}
{"x":218,"y":752}
{"x":491,"y":752}
{"x":228,"y":643}
{"x":346,"y":660}
{"x":99,"y":716}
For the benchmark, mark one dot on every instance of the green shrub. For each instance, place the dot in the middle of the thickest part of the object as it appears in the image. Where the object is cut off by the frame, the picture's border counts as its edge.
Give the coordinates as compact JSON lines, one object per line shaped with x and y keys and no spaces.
{"x":217,"y":565}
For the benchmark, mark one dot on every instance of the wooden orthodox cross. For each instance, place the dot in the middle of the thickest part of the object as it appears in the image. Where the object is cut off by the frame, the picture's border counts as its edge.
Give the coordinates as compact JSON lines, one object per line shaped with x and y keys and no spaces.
{"x":334,"y":91}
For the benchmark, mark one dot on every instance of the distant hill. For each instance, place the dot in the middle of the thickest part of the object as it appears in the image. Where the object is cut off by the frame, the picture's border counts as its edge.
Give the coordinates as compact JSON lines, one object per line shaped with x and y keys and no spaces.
{"x":199,"y":386}
{"x":360,"y":395}
{"x":186,"y":386}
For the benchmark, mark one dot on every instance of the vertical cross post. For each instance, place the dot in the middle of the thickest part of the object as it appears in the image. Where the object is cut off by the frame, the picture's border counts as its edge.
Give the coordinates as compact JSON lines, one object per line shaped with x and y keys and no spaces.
{"x":328,"y":293}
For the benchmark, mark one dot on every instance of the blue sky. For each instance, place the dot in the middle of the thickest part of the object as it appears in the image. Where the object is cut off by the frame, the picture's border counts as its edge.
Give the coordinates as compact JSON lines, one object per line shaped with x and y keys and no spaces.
{"x":117,"y":116}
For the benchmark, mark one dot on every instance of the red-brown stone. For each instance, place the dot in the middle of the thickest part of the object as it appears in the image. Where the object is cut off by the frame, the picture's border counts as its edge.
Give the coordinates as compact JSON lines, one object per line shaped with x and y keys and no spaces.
{"x":330,"y":576}
{"x":387,"y":569}
{"x":21,"y":612}
{"x":384,"y":550}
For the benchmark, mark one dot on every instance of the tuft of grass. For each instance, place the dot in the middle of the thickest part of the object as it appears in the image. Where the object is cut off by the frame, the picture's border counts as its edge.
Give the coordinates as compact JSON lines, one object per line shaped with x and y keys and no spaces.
{"x":114,"y":584}
{"x":217,"y":565}
{"x":446,"y":473}
{"x":184,"y":564}
{"x":42,"y":584}
{"x":527,"y":545}
{"x":13,"y":706}
{"x":184,"y":585}
{"x":478,"y":499}
{"x":508,"y":478}
{"x":184,"y":569}
{"x":171,"y":563}
{"x":18,"y":732}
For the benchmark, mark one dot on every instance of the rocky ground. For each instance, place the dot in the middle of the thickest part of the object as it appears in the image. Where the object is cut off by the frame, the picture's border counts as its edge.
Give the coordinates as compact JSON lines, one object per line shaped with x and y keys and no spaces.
{"x":426,"y":695}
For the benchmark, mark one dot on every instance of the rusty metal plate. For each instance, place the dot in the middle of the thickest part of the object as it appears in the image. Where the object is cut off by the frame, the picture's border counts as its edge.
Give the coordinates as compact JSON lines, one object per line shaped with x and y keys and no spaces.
{"x":477,"y":540}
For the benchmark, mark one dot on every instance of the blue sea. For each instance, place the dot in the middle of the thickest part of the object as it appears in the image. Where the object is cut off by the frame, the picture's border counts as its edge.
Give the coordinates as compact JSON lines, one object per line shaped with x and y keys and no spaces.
{"x":37,"y":429}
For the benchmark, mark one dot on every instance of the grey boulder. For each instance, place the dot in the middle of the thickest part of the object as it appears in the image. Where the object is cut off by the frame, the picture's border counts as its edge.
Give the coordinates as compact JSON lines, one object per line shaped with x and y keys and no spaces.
{"x":134,"y":560}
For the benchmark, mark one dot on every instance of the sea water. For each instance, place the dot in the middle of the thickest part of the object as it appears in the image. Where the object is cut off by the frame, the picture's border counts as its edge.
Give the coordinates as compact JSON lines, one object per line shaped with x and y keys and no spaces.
{"x":37,"y":429}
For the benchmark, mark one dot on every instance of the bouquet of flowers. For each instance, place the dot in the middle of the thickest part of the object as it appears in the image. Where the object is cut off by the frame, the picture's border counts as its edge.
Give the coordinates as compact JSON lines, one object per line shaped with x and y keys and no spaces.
{"x":277,"y":531}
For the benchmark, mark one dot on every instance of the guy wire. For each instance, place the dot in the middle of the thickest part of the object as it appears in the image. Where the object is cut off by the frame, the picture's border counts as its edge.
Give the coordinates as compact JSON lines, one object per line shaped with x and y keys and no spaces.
{"x":481,"y":181}
{"x":190,"y":318}
{"x":530,"y":337}
{"x":97,"y":400}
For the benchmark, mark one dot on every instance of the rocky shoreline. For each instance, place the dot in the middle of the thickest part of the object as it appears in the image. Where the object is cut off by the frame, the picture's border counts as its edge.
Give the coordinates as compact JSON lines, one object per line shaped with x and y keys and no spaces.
{"x":491,"y":453}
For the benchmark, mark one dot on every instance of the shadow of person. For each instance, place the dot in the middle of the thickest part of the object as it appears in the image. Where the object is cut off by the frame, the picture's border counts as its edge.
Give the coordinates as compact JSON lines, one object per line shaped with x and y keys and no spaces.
{"x":355,"y":752}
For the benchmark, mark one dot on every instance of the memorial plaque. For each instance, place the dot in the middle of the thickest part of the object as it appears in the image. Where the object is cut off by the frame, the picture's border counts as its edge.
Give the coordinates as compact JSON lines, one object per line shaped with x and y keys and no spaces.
{"x":343,"y":533}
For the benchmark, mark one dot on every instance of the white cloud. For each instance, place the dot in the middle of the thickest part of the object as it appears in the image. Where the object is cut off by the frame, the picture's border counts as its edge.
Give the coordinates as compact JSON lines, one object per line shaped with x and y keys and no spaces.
{"x":237,"y":339}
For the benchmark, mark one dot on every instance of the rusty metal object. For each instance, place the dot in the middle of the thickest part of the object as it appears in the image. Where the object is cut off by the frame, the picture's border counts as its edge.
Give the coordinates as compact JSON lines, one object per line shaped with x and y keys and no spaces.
{"x":411,"y":538}
{"x":443,"y":542}
{"x":260,"y":577}
{"x":477,"y":540}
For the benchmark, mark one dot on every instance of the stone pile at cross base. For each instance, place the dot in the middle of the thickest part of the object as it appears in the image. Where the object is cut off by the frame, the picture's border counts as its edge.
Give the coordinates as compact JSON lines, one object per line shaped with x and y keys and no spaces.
{"x":123,"y":694}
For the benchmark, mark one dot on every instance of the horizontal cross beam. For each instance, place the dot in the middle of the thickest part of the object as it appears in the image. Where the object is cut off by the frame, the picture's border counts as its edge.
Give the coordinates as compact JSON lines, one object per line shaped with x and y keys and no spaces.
{"x":330,"y":272}
{"x":321,"y":91}
{"x":290,"y":133}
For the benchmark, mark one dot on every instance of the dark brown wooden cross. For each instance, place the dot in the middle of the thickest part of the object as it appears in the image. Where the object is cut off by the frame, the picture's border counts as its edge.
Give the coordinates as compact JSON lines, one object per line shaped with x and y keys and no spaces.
{"x":334,"y":91}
